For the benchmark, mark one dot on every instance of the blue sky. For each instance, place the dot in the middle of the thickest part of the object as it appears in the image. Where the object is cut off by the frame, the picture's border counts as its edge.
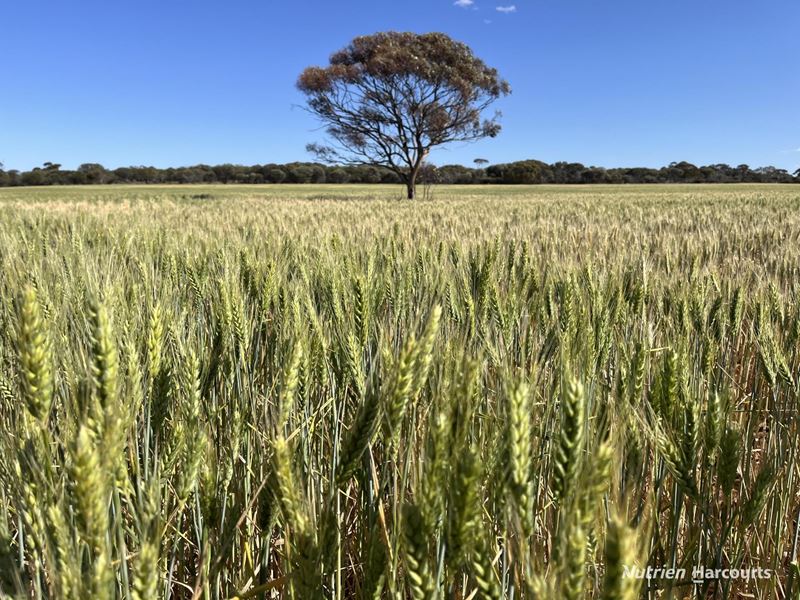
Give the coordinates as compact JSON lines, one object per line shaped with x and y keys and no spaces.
{"x":614,"y":83}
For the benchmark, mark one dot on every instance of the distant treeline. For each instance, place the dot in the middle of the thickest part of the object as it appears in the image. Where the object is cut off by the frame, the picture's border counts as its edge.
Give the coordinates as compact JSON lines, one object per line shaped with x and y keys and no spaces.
{"x":521,"y":172}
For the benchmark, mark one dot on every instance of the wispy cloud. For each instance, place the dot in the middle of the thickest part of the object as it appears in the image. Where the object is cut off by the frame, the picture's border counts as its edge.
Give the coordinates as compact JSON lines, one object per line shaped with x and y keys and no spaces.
{"x":487,"y":21}
{"x":512,"y":8}
{"x":464,"y":3}
{"x":790,"y":151}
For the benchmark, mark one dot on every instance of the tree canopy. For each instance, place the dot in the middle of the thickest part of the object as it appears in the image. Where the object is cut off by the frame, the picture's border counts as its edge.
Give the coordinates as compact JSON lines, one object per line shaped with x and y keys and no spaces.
{"x":388,"y":99}
{"x":519,"y":172}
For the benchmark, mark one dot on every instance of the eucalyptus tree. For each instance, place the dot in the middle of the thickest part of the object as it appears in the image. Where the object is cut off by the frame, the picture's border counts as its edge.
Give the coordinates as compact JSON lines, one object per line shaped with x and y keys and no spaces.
{"x":388,"y":99}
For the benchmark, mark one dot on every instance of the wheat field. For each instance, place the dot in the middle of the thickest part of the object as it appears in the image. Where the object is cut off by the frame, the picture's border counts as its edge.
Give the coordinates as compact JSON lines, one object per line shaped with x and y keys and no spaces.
{"x":321,"y":392}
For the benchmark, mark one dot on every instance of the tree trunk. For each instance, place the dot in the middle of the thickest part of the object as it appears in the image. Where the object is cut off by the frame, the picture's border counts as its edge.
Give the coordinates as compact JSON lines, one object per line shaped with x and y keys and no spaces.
{"x":411,"y":183}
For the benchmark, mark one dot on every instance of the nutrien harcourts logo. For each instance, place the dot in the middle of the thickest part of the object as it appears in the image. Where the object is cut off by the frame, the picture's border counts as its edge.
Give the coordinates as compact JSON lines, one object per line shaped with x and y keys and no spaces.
{"x":699,"y":574}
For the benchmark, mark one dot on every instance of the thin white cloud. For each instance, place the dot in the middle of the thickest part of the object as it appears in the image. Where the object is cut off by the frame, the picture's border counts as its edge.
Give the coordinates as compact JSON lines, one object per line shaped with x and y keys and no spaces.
{"x":790,"y":151}
{"x":512,"y":8}
{"x":464,"y":3}
{"x":487,"y":21}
